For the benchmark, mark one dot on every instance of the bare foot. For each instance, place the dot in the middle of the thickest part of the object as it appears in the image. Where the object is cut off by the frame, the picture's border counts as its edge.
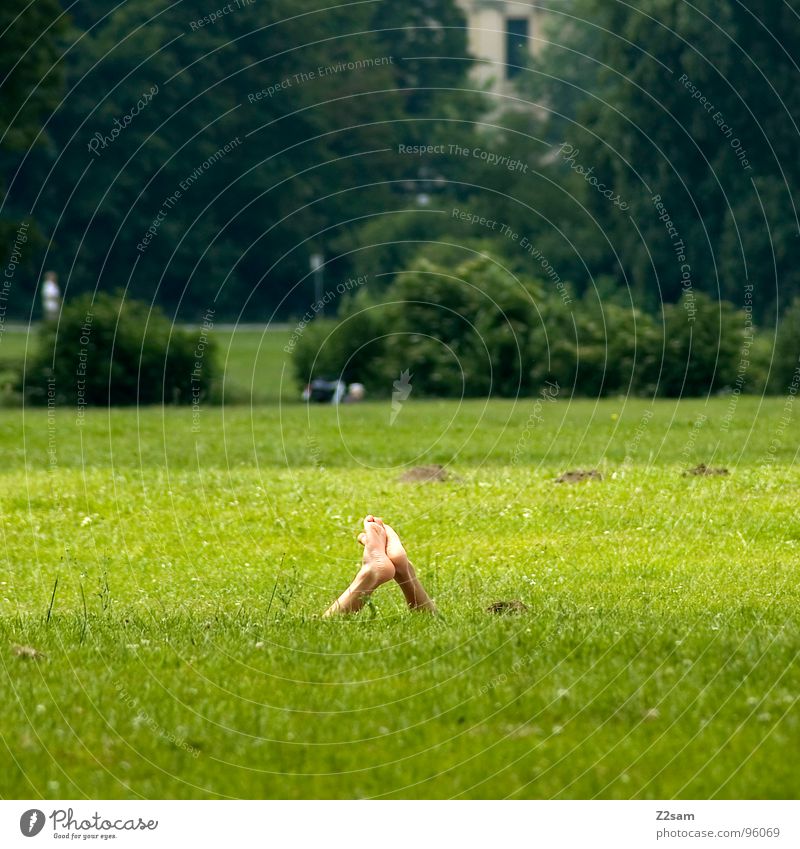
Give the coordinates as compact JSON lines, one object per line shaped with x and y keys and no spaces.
{"x":395,"y":550}
{"x":404,"y":573}
{"x":376,"y":569}
{"x":376,"y":561}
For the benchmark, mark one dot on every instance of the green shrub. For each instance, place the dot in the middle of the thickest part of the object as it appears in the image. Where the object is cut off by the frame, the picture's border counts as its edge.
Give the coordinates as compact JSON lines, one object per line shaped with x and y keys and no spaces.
{"x":703,"y":343}
{"x":10,"y":376}
{"x":617,"y":351}
{"x":760,"y":354}
{"x":346,"y":348}
{"x":786,"y":359}
{"x":461,"y":332}
{"x":106,"y":350}
{"x":472,"y":331}
{"x":477,"y":330}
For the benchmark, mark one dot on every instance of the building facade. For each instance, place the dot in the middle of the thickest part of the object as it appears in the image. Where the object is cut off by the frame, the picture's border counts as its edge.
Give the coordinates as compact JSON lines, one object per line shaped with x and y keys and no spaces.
{"x":501,"y":34}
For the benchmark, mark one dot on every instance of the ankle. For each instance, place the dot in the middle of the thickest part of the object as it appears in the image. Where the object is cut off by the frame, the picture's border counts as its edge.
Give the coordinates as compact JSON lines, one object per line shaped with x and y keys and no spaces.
{"x":374,"y":573}
{"x":404,"y":571}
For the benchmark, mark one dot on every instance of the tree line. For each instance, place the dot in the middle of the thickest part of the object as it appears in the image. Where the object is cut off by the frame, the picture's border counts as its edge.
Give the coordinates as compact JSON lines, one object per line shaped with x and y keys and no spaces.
{"x":645,"y":156}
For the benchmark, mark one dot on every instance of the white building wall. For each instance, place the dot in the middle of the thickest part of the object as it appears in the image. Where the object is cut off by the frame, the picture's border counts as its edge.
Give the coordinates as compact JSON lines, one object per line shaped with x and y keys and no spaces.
{"x":487,"y":23}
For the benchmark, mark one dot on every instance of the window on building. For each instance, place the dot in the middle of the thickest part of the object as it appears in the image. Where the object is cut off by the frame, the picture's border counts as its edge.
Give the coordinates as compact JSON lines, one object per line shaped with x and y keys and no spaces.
{"x":516,"y":45}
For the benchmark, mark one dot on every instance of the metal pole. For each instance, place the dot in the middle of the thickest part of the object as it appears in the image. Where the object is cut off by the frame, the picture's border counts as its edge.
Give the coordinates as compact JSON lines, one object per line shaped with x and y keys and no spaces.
{"x":317,"y":264}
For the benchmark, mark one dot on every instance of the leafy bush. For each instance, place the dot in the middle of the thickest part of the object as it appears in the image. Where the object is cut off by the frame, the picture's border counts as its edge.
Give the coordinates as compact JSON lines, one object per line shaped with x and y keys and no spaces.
{"x":703,"y":342}
{"x":477,"y":330}
{"x":473,"y":331}
{"x":787,"y":351}
{"x":106,"y":350}
{"x":617,"y":350}
{"x":345,"y":349}
{"x":468,"y":331}
{"x":428,"y":316}
{"x":10,"y":371}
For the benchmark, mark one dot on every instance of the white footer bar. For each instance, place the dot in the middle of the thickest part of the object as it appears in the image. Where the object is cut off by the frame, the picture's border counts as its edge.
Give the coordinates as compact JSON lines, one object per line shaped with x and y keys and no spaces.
{"x":402,"y":825}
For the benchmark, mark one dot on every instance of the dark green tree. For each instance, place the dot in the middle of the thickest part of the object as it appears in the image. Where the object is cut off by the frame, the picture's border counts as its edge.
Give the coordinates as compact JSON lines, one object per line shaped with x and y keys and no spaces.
{"x":31,"y":77}
{"x":696,"y":104}
{"x":311,"y":99}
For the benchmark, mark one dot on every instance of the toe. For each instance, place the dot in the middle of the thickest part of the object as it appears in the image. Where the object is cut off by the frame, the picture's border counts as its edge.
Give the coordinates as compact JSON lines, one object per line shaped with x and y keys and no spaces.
{"x":374,"y":537}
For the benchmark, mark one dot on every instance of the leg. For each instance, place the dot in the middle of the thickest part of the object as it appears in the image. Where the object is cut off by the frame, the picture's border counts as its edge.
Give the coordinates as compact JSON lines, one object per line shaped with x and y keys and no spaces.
{"x":376,"y":569}
{"x":405,"y":574}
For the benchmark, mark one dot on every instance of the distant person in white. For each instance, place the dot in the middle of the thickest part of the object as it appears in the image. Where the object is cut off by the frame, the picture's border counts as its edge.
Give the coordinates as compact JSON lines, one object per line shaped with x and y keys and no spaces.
{"x":51,"y":296}
{"x":355,"y":393}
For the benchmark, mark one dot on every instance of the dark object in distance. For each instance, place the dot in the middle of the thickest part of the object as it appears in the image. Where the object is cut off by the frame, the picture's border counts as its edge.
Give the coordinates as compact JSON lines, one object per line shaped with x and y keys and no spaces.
{"x":425,"y":474}
{"x":502,"y":607}
{"x":321,"y":391}
{"x":705,"y":470}
{"x":579,"y":475}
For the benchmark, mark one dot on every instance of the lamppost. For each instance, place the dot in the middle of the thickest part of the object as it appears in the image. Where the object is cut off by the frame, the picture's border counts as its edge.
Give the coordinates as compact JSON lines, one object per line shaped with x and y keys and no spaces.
{"x":317,"y":262}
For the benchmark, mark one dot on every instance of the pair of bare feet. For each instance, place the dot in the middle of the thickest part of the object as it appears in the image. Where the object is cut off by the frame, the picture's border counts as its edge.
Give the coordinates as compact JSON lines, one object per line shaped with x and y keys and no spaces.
{"x":384,"y":559}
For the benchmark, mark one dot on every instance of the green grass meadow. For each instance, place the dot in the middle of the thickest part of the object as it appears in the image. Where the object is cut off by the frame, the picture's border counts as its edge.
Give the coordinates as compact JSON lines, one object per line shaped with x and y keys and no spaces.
{"x":171,"y":570}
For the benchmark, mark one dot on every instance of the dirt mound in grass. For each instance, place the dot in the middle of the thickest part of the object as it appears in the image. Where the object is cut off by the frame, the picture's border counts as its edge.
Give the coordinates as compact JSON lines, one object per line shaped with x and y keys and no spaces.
{"x":425,"y":474}
{"x":707,"y":471}
{"x":28,"y":652}
{"x":579,"y":475}
{"x":502,"y":607}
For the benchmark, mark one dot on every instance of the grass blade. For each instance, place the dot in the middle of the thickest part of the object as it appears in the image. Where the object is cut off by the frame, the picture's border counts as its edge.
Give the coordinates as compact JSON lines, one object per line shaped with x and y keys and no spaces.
{"x":52,"y":602}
